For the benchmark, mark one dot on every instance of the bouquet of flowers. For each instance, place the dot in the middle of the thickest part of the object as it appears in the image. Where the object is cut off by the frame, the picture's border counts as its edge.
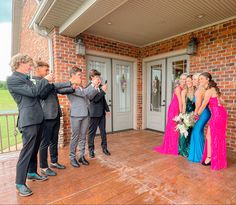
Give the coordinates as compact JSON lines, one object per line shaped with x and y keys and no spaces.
{"x":184,"y":122}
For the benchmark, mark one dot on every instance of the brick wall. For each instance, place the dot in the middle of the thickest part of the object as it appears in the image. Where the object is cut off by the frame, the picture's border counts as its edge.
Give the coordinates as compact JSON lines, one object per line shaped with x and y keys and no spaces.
{"x":30,"y":42}
{"x":216,"y":54}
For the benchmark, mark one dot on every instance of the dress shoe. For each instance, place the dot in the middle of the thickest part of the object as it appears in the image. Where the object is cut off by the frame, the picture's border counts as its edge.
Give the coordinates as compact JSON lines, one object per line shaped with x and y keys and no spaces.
{"x":208,"y":163}
{"x":48,"y":172}
{"x":36,"y":177}
{"x":74,"y":163}
{"x":23,"y":190}
{"x":106,"y":152}
{"x":57,"y":166}
{"x":91,"y":154}
{"x":83,"y":161}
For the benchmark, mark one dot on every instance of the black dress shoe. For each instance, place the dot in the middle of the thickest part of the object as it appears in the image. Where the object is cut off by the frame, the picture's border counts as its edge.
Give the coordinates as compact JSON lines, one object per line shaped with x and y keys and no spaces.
{"x":74,"y":163}
{"x":106,"y":152}
{"x":57,"y":166}
{"x":36,"y":177}
{"x":23,"y":190}
{"x":48,"y":172}
{"x":91,"y":154}
{"x":206,"y":164}
{"x":83,"y":161}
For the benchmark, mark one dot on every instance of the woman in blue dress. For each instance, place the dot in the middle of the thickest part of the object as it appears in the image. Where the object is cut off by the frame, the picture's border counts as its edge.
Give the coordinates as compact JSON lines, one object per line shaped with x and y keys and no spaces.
{"x":197,"y":136}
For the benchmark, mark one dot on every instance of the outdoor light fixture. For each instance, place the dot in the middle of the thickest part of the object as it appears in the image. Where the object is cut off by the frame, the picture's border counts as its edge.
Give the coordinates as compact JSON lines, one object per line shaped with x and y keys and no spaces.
{"x":79,"y":46}
{"x":192,"y":46}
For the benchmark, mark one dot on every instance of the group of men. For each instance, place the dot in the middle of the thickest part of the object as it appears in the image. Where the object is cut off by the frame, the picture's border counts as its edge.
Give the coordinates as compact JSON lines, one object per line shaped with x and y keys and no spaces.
{"x":40,"y":112}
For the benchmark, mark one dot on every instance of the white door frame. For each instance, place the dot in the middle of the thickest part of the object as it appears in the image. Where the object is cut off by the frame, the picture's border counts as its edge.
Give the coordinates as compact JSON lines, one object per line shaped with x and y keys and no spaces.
{"x":144,"y":78}
{"x":134,"y":61}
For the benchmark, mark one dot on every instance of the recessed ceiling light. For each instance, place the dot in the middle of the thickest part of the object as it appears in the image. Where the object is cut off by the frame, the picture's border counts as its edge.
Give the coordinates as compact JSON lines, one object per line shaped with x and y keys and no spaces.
{"x":200,"y":16}
{"x":109,"y":23}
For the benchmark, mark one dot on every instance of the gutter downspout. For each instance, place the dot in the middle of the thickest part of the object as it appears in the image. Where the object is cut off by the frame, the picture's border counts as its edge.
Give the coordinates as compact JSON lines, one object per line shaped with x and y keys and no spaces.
{"x":44,"y":33}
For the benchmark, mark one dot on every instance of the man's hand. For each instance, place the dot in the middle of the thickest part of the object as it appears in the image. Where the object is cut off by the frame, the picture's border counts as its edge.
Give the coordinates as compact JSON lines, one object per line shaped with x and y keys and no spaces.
{"x":50,"y":77}
{"x":108,"y":114}
{"x":105,"y":88}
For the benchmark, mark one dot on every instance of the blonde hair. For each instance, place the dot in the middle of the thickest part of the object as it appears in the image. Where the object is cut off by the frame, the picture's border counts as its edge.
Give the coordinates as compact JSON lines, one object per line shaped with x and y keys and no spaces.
{"x":196,"y":75}
{"x":18,"y":59}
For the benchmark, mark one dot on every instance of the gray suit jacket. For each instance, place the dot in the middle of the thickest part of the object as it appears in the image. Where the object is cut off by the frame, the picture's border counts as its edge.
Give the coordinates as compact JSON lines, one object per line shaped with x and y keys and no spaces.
{"x":25,"y":93}
{"x":49,"y":100}
{"x":79,"y":101}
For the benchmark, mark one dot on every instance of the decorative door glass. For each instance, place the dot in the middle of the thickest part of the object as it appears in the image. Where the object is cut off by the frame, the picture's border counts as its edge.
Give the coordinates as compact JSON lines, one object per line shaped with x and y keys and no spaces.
{"x":123,"y":89}
{"x":156,"y":81}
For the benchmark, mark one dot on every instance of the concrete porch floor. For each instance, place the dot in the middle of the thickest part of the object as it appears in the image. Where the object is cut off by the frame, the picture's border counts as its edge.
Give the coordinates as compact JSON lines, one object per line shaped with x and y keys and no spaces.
{"x":133,"y":174}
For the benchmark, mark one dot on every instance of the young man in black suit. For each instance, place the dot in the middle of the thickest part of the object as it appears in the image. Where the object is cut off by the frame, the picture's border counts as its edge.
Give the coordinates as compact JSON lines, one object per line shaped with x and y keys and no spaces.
{"x":52,"y":113}
{"x":97,"y":113}
{"x":30,"y":118}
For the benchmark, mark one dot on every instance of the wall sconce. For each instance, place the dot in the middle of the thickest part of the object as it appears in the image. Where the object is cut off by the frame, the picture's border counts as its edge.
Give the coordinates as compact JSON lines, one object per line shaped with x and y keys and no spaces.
{"x":79,"y":46}
{"x":192,"y":46}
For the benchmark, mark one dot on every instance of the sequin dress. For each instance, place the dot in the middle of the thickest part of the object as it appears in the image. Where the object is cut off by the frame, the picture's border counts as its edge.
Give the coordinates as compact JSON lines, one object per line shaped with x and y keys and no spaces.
{"x":184,"y":142}
{"x":217,"y":125}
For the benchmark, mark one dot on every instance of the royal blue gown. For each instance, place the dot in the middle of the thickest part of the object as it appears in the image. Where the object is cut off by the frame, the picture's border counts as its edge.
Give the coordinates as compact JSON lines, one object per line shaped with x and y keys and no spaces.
{"x":197,"y":136}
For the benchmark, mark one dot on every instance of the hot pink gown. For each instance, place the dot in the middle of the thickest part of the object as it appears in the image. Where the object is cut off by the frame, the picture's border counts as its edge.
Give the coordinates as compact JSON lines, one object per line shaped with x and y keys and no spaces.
{"x":217,"y":124}
{"x":171,"y":137}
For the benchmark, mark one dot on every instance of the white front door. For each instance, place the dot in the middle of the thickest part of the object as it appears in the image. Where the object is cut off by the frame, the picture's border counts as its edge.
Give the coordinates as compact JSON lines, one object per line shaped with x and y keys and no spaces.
{"x":103,"y":65}
{"x":156,"y":84}
{"x":122,"y":95}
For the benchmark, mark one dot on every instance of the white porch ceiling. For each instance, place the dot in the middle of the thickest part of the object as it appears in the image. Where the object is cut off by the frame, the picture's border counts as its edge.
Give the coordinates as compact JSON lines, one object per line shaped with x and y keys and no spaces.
{"x":141,"y":22}
{"x":137,"y":22}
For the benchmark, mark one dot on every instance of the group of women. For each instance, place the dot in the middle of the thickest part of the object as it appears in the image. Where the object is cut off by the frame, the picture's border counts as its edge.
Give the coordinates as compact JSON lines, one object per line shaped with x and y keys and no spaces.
{"x":199,"y":94}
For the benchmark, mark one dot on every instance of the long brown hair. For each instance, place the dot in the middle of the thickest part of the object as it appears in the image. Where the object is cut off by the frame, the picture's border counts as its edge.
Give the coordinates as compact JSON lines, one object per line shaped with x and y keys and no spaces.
{"x":212,"y":83}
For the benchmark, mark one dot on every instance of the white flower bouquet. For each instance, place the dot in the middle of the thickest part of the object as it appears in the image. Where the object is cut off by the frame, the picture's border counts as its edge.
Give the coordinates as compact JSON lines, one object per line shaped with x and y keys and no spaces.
{"x":184,"y":122}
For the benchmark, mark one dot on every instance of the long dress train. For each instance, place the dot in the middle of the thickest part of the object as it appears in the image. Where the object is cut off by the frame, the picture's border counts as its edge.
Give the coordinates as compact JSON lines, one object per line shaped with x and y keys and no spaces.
{"x":217,"y":125}
{"x":170,"y":142}
{"x":197,"y":136}
{"x":184,"y":142}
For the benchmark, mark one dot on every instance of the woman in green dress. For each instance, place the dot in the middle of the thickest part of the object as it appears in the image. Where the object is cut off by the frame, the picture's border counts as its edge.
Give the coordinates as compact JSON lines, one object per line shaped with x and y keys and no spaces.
{"x":188,"y":107}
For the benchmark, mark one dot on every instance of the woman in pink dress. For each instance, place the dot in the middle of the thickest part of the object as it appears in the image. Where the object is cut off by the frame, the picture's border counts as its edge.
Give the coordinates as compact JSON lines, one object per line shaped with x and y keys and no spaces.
{"x":215,"y":146}
{"x":171,"y":137}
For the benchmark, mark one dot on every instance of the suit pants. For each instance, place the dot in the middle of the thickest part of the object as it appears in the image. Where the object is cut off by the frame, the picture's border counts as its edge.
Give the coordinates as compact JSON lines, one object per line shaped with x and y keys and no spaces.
{"x":27,"y":162}
{"x":95,"y":122}
{"x":49,"y":139}
{"x":79,"y":127}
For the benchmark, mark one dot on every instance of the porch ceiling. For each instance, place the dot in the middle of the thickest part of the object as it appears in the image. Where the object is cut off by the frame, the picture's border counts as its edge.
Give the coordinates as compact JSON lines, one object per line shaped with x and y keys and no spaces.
{"x":141,"y":22}
{"x":137,"y":22}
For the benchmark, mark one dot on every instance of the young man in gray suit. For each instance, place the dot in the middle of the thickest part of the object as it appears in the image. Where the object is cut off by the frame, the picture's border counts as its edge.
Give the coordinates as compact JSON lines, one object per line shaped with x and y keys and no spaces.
{"x":52,"y":113}
{"x":30,"y":118}
{"x":79,"y":115}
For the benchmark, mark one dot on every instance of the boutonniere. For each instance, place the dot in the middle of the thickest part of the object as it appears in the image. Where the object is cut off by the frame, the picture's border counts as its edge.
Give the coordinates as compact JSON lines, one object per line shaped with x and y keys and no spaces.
{"x":33,"y":81}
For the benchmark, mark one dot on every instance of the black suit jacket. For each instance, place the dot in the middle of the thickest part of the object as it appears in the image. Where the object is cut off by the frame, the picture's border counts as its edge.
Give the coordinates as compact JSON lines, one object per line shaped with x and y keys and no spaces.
{"x":98,"y":105}
{"x":26,"y":95}
{"x":49,"y":99}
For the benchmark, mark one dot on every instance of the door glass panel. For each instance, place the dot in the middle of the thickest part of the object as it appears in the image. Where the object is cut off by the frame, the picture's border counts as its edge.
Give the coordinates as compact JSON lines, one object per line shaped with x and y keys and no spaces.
{"x":123,"y":87}
{"x":178,"y":67}
{"x":156,"y":77}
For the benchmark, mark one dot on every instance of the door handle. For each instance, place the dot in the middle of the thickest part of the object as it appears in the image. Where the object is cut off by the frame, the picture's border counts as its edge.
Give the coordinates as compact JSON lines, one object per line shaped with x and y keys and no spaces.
{"x":163,"y":105}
